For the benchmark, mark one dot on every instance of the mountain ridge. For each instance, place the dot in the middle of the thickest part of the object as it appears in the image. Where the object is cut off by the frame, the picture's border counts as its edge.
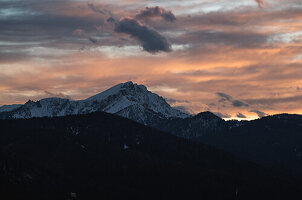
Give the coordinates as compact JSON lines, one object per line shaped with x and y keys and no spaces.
{"x":119,"y":99}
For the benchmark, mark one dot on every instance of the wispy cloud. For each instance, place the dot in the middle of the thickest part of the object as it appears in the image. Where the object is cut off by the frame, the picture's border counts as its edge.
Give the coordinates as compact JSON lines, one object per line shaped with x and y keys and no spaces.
{"x":95,"y":9}
{"x":236,"y":103}
{"x":259,"y":113}
{"x":241,"y":116}
{"x":221,"y":115}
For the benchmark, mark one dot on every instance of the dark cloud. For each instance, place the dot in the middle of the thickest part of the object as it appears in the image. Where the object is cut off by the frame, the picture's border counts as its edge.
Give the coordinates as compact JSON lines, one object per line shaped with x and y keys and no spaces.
{"x":236,"y":103}
{"x":173,"y":101}
{"x":156,"y":12}
{"x":45,"y":31}
{"x":95,"y":9}
{"x":224,"y":97}
{"x":151,"y":40}
{"x":240,"y":115}
{"x":237,"y":39}
{"x":110,"y":20}
{"x":25,"y":33}
{"x":259,"y":113}
{"x":169,"y":16}
{"x":221,"y":115}
{"x":93,"y":40}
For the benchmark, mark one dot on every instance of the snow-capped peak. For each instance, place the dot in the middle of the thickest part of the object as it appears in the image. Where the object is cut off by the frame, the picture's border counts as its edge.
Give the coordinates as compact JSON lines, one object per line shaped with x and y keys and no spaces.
{"x":111,"y":91}
{"x":128,"y":86}
{"x":122,"y":99}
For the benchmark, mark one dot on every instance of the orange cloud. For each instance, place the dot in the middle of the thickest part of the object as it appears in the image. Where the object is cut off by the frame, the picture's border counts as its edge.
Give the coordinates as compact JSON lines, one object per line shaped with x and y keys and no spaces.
{"x":260,"y":3}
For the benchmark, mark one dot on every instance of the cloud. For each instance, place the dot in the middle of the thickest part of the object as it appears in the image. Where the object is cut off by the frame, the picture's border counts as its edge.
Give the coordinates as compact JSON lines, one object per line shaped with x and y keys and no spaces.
{"x":174,"y":101}
{"x":182,"y":109}
{"x":260,"y":3}
{"x":223,"y":52}
{"x":236,"y":103}
{"x":278,"y":100}
{"x":79,"y":32}
{"x":110,"y":20}
{"x":59,"y":95}
{"x":240,"y":115}
{"x":226,"y":38}
{"x":259,"y":113}
{"x":221,"y":115}
{"x":93,"y":40}
{"x":151,"y":40}
{"x":156,"y":12}
{"x":224,"y":97}
{"x":95,"y":9}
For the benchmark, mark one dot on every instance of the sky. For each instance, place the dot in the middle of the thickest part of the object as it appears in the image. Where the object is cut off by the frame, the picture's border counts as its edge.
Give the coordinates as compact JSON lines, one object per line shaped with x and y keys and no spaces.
{"x":238,"y":59}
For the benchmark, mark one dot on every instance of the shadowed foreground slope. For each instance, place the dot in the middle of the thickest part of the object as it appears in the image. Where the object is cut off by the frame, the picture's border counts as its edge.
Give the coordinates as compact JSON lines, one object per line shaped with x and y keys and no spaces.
{"x":273,"y":141}
{"x":101,"y":156}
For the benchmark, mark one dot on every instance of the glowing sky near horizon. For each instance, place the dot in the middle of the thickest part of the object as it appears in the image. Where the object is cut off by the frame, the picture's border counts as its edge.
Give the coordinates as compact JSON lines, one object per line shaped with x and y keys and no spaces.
{"x":239,"y":59}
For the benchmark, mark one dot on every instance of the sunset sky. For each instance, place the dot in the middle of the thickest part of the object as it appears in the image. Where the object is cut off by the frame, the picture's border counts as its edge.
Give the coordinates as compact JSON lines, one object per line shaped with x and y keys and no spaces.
{"x":238,"y":59}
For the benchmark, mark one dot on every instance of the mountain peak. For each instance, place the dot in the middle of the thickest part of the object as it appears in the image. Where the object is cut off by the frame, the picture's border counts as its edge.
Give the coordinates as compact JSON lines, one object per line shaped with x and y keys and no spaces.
{"x":131,"y":85}
{"x":207,"y":115}
{"x":29,"y":102}
{"x":128,"y":83}
{"x":128,"y":86}
{"x":124,"y":99}
{"x":125,"y":95}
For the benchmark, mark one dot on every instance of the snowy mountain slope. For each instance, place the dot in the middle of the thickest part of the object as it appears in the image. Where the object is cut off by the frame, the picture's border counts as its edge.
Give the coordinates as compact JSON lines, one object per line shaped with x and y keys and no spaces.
{"x":127,"y":94}
{"x":45,"y":107}
{"x":126,"y":99}
{"x":7,"y":108}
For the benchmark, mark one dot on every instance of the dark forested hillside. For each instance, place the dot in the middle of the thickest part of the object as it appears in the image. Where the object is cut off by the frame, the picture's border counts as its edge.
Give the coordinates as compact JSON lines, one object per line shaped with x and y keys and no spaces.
{"x":101,"y":156}
{"x":273,"y":141}
{"x":193,"y":127}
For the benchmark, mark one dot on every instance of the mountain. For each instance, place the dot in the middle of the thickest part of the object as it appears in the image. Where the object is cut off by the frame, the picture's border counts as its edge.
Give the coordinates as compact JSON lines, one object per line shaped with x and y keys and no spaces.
{"x":6,"y":108}
{"x":104,"y":156}
{"x":131,"y":101}
{"x":195,"y":126}
{"x":126,"y":99}
{"x":273,"y":141}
